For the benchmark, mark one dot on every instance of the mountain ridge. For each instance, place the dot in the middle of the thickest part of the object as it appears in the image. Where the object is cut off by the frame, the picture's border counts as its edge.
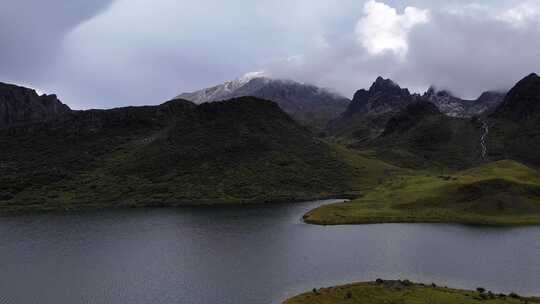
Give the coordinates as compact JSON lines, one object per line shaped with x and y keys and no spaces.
{"x":243,"y":150}
{"x":309,"y":104}
{"x":20,"y":105}
{"x":457,"y":107}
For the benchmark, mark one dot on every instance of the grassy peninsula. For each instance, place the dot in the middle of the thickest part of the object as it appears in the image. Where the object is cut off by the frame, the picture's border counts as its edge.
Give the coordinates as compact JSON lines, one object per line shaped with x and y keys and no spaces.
{"x":498,"y":193}
{"x":404,"y":292}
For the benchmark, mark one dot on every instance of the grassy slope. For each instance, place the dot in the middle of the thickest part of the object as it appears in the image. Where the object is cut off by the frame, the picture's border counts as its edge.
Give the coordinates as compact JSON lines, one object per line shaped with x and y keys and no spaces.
{"x":498,"y":193}
{"x":273,"y":177}
{"x":401,"y":292}
{"x":240,"y":151}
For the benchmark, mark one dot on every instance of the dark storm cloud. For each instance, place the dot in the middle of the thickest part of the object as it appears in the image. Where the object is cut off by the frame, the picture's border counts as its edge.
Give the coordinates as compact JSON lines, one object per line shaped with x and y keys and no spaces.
{"x":114,"y":53}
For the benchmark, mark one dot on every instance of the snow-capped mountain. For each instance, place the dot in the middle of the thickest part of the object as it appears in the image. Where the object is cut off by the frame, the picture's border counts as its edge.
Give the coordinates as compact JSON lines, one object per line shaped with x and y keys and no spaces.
{"x":457,"y":107}
{"x":222,"y":91}
{"x":304,"y":102}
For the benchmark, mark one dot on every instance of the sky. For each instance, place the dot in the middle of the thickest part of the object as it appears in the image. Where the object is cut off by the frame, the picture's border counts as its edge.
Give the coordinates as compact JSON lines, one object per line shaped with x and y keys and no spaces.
{"x":111,"y":53}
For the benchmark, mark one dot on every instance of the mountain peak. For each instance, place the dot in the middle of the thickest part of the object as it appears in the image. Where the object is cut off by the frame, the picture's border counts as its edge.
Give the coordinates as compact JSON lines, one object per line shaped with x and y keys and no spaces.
{"x":382,"y":84}
{"x":383,"y":96}
{"x":532,"y":76}
{"x":20,"y":105}
{"x":304,"y":102}
{"x":523,"y":100}
{"x":387,"y":87}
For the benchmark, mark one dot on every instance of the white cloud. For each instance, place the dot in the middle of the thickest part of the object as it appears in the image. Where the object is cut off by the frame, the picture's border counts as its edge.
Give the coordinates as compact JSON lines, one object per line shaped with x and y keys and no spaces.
{"x":383,"y":29}
{"x":131,"y":53}
{"x":521,"y":14}
{"x":252,"y":75}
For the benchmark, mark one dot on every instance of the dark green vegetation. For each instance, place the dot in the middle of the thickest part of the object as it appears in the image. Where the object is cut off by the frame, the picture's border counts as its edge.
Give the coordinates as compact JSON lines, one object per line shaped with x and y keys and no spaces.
{"x":412,"y":131}
{"x":515,"y":125}
{"x":420,"y":136}
{"x":239,"y":151}
{"x":248,"y":150}
{"x":405,"y":292}
{"x":462,"y":174}
{"x":498,"y":193}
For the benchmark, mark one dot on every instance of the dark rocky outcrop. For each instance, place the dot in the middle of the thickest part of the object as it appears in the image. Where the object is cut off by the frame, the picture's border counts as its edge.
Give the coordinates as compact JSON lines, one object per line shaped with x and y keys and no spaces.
{"x":19,"y":105}
{"x":369,"y":111}
{"x":514,"y":126}
{"x":383,"y":96}
{"x":511,"y":131}
{"x":456,"y":107}
{"x":522,"y":102}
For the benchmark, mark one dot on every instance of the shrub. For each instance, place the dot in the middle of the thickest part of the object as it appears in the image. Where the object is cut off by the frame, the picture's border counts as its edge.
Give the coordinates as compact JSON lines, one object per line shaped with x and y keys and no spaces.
{"x":6,"y":196}
{"x":481,"y":289}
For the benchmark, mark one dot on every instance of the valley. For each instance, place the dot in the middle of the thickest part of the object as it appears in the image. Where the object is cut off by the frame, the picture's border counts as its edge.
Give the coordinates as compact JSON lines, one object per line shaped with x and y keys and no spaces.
{"x":401,"y":159}
{"x":395,"y":154}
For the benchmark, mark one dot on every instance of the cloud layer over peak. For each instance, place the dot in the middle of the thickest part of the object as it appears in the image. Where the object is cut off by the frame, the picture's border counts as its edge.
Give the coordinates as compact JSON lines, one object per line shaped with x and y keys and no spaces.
{"x":113,"y":53}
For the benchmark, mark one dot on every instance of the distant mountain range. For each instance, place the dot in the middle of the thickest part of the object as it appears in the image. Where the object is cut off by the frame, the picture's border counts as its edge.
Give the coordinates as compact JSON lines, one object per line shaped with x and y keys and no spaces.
{"x":309,"y":104}
{"x":314,"y":106}
{"x":421,"y":135}
{"x":369,"y":112}
{"x":248,"y":149}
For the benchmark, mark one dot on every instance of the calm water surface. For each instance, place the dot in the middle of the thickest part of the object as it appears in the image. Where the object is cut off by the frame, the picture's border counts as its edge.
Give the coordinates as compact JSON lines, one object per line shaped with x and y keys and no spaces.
{"x":255,"y":254}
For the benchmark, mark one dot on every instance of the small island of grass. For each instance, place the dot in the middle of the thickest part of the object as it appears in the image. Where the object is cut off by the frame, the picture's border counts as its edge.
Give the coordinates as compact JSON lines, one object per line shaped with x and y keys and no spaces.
{"x":497,"y":193}
{"x":404,"y":292}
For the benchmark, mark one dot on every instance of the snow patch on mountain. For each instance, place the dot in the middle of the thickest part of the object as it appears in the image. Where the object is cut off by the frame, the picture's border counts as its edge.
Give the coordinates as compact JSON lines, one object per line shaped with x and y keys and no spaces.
{"x":456,"y":107}
{"x":222,"y":91}
{"x":305,"y":102}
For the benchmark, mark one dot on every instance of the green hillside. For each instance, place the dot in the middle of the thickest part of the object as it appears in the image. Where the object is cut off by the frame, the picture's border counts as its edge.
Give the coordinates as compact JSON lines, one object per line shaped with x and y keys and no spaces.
{"x":420,"y":136}
{"x":239,"y":151}
{"x":498,"y":193}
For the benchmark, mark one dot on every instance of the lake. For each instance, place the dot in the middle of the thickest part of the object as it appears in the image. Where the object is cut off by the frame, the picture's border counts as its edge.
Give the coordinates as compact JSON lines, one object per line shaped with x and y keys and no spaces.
{"x":244,"y":254}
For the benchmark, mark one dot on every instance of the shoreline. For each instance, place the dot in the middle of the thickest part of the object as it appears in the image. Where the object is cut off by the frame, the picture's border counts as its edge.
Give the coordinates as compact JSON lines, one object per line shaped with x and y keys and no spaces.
{"x":43,"y":209}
